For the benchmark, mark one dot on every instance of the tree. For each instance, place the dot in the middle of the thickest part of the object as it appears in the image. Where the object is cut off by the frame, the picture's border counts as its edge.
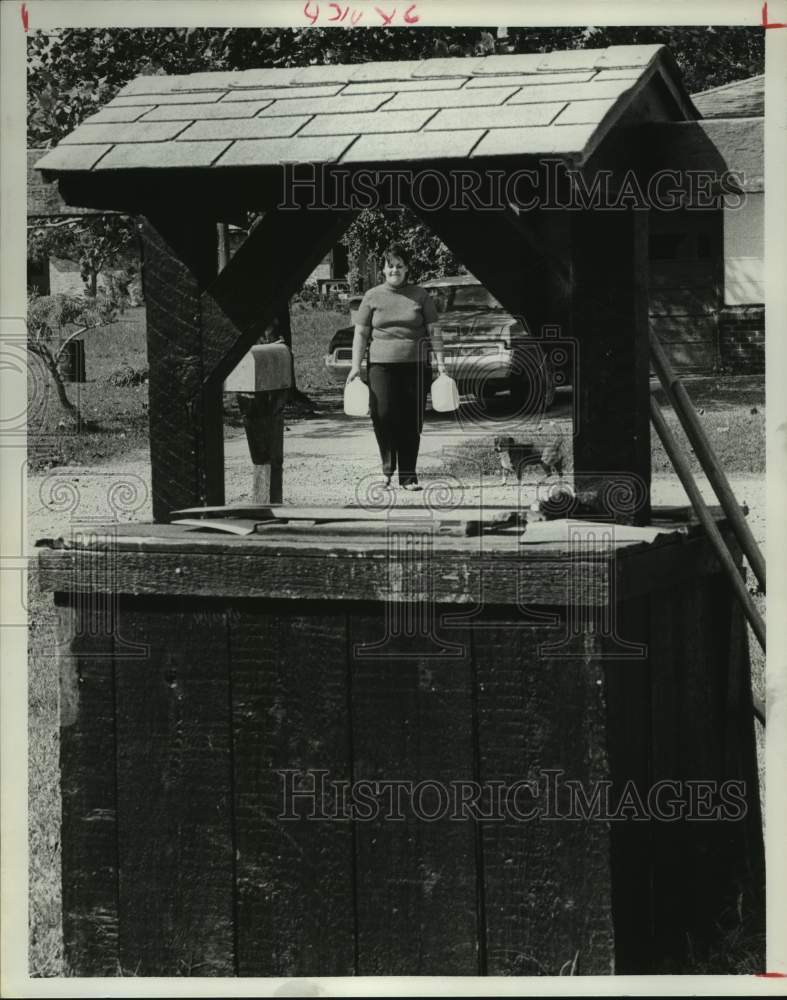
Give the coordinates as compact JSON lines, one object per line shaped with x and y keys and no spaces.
{"x":53,"y":321}
{"x":373,"y":229}
{"x":100,"y":243}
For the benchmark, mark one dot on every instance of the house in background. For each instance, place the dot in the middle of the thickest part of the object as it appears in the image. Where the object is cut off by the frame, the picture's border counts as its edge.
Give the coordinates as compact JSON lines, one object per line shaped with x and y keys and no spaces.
{"x":45,"y":208}
{"x":331,"y":273}
{"x":737,"y":111}
{"x":706,"y":268}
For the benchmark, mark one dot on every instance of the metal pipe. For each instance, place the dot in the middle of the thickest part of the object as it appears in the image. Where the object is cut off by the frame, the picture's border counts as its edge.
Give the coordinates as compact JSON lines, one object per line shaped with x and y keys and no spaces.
{"x":737,"y":582}
{"x":695,"y":432}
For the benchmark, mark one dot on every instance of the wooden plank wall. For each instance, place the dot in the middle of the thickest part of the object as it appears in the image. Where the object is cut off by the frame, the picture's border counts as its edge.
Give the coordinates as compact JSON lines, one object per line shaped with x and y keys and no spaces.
{"x":89,"y":794}
{"x":545,"y":909}
{"x":174,"y":794}
{"x":294,"y":877}
{"x":177,"y":859}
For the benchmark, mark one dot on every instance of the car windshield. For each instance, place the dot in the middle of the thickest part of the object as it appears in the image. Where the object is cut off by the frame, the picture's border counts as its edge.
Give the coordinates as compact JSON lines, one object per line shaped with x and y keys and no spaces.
{"x":472,"y":297}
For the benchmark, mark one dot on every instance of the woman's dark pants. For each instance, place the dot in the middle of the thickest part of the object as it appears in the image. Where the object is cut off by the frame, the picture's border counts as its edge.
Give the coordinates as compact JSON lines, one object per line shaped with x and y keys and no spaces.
{"x":397,"y":403}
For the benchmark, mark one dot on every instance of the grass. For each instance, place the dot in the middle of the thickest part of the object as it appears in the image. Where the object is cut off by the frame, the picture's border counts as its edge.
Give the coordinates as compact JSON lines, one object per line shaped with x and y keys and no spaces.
{"x":45,"y":943}
{"x":736,"y":434}
{"x":115,"y":416}
{"x":312,"y":329}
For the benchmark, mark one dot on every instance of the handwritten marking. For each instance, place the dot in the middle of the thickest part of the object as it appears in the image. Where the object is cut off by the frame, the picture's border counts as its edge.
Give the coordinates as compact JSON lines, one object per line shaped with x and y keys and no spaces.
{"x":387,"y":18}
{"x":770,"y":24}
{"x":25,"y":17}
{"x":334,"y":12}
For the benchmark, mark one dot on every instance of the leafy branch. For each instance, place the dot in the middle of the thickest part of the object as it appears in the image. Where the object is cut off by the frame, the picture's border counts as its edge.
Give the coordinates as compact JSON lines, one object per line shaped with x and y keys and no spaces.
{"x":53,"y":321}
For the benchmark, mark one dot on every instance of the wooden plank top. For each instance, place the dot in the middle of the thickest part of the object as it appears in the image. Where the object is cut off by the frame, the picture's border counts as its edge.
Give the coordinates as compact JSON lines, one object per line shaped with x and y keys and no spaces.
{"x":489,"y":94}
{"x":364,"y":562}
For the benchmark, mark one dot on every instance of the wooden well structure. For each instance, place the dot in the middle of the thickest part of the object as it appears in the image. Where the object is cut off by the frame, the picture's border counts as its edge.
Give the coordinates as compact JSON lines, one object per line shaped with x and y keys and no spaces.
{"x":202,"y":668}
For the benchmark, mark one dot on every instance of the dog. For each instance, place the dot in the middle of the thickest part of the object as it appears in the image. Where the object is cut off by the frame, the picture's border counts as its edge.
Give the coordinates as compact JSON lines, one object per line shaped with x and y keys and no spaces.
{"x":517,"y":456}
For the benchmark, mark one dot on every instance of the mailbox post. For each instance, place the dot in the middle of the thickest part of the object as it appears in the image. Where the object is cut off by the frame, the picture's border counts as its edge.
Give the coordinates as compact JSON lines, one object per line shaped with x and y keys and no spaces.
{"x":262,"y":381}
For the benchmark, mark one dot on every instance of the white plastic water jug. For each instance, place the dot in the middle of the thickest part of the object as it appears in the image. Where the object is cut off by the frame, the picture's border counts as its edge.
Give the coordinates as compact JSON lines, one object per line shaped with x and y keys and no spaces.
{"x":445,"y":395}
{"x":356,"y":398}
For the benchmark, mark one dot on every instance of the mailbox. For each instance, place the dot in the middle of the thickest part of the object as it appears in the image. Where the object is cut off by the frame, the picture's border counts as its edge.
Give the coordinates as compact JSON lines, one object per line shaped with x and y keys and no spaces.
{"x":266,"y":367}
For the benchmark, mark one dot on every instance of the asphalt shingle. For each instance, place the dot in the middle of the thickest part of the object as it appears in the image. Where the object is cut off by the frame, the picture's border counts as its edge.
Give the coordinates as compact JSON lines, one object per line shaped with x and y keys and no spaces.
{"x":535,"y":141}
{"x":245,"y":128}
{"x":273,"y":93}
{"x":618,"y":56}
{"x":323,"y":74}
{"x":463,"y":98}
{"x":569,"y":59}
{"x":570,"y":92}
{"x":269,"y":152}
{"x":505,"y":116}
{"x":141,"y":132}
{"x":327,"y":105}
{"x":223,"y":79}
{"x":521,"y":79}
{"x":162,"y":154}
{"x":375,"y":121}
{"x":417,"y":146}
{"x":204,"y":112}
{"x":403,"y":86}
{"x":204,"y":97}
{"x":584,"y":112}
{"x":523,"y":62}
{"x":109,"y":114}
{"x":449,"y":66}
{"x":374,"y":72}
{"x":72,"y":157}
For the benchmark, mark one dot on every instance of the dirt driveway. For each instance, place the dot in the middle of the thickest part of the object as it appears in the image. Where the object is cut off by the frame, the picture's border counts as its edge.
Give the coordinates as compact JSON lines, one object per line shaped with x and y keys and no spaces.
{"x":329,"y":459}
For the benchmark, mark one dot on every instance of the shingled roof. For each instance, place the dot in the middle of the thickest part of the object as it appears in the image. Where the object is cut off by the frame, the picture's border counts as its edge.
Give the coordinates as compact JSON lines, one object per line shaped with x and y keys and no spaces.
{"x":740,"y":99}
{"x":558,"y":103}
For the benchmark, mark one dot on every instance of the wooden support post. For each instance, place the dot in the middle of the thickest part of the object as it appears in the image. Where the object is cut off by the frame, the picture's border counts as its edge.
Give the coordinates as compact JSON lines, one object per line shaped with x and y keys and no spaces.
{"x":609,"y":320}
{"x":186,"y":426}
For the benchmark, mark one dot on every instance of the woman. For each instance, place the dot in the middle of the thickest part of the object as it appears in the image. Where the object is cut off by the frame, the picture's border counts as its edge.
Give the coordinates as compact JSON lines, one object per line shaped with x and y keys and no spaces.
{"x":396,"y":321}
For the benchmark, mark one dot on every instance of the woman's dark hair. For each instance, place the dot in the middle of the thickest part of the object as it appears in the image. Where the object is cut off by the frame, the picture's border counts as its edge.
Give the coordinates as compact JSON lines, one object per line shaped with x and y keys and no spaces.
{"x":396,"y":250}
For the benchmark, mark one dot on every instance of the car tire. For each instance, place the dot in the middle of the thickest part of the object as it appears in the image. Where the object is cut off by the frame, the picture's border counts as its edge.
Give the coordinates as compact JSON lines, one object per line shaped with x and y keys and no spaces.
{"x":522,"y":393}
